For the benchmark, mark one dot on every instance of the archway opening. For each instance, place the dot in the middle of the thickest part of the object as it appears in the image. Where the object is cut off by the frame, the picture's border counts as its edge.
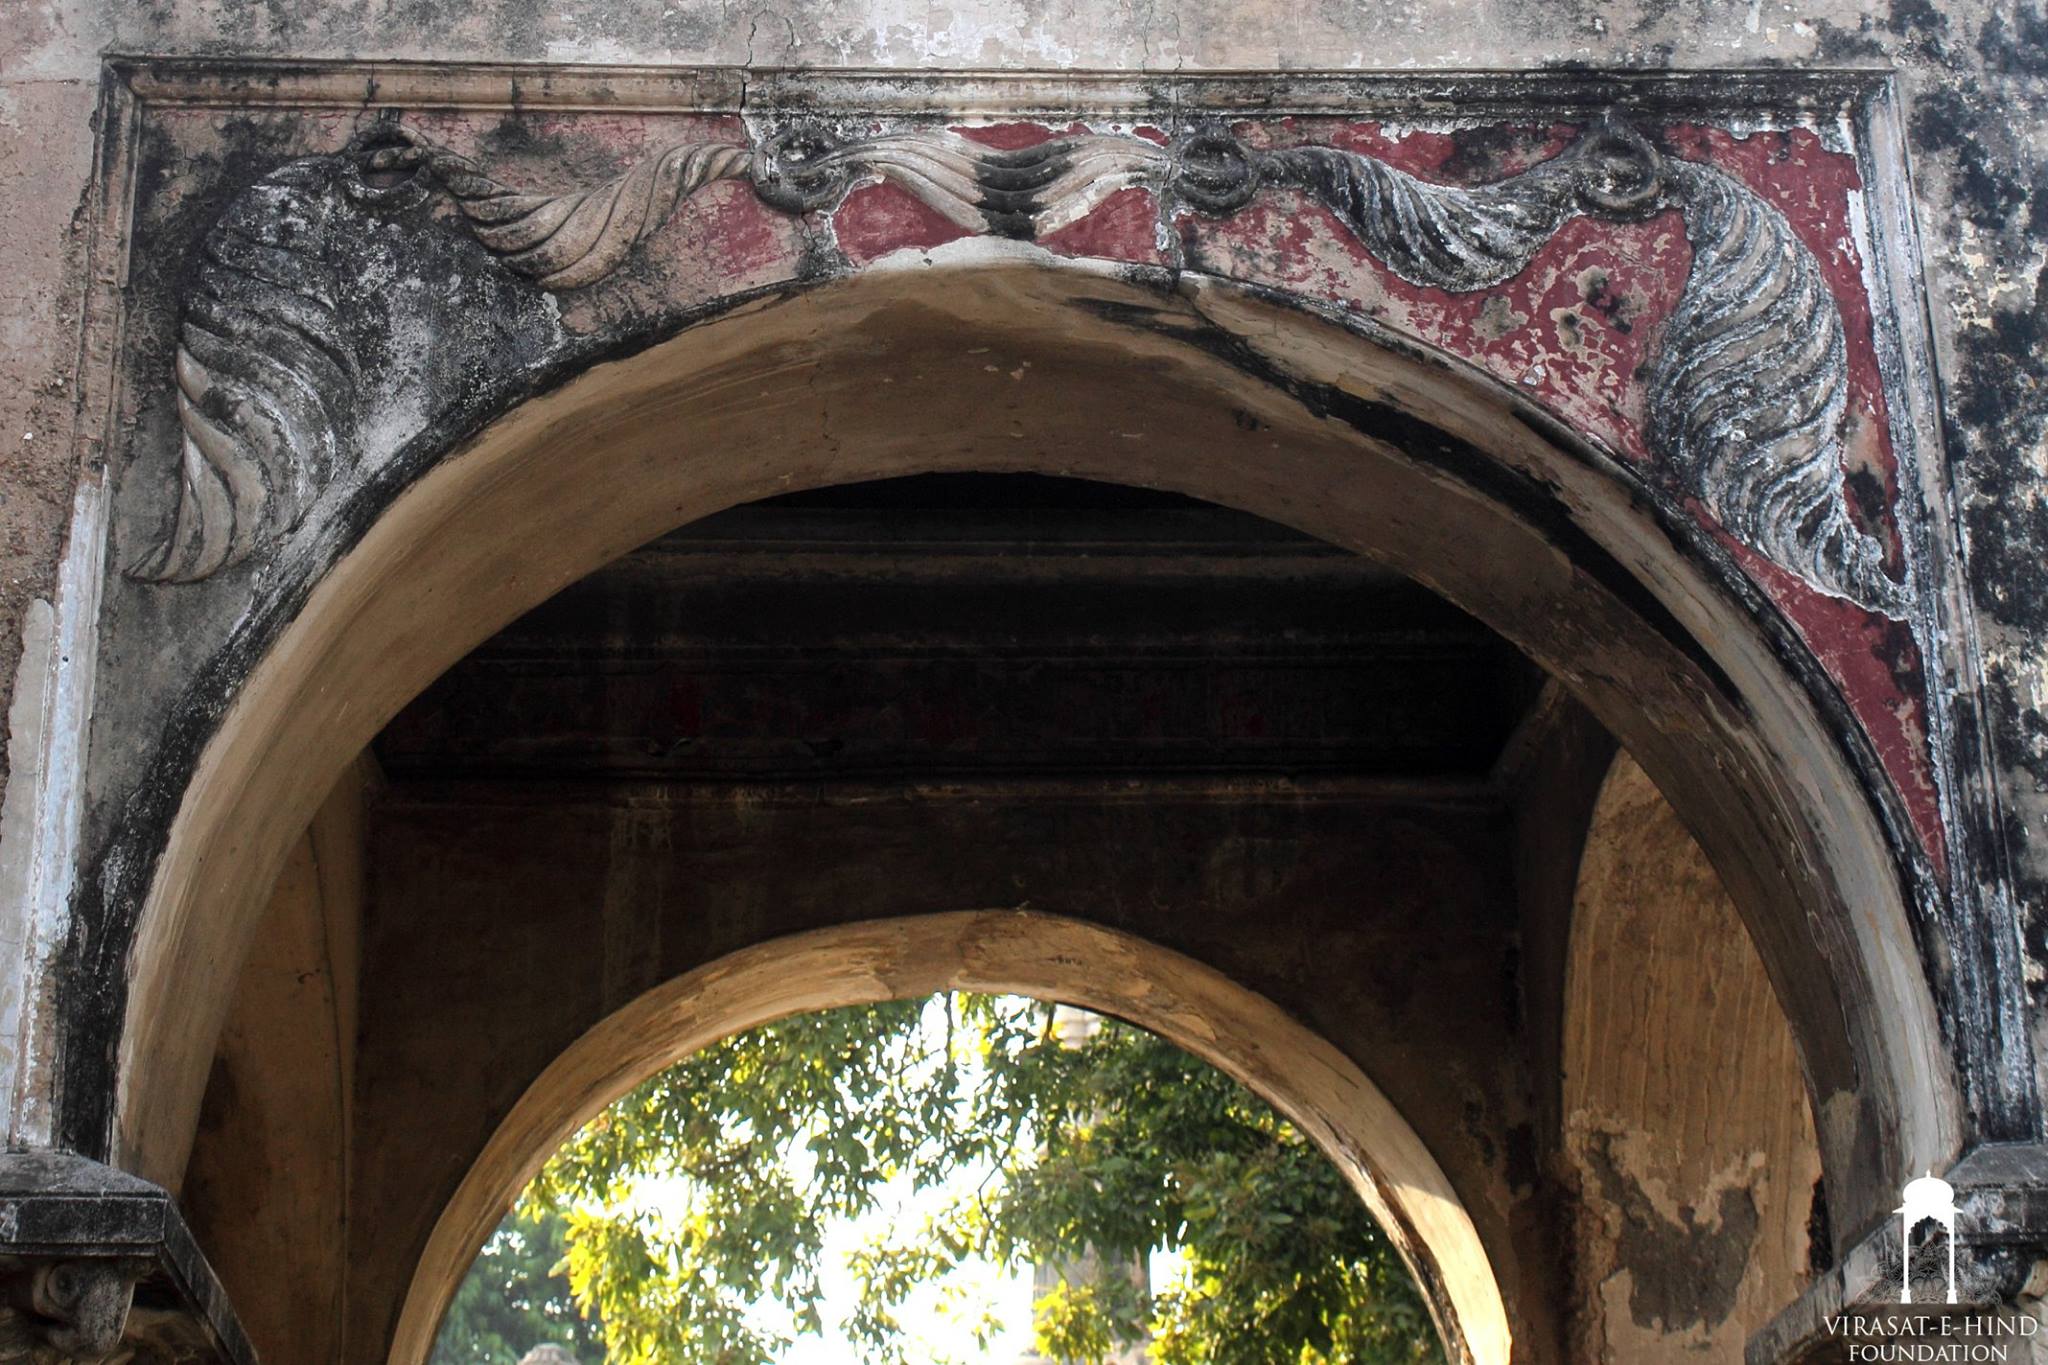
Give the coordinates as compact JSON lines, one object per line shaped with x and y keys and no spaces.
{"x":1314,"y":1085}
{"x":960,"y":1177}
{"x":1450,"y":483}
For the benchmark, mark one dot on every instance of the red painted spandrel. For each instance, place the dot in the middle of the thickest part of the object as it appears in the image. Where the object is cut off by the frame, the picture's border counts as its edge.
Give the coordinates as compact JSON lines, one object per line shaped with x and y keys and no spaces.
{"x":876,"y":219}
{"x":1573,"y":330}
{"x":1876,"y":663}
{"x":754,"y":242}
{"x":1123,"y":227}
{"x":1576,"y":329}
{"x":1015,"y":137}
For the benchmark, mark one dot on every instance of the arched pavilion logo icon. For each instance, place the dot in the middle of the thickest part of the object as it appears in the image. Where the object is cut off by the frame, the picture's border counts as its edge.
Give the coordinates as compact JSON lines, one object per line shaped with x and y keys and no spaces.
{"x":1928,"y":1199}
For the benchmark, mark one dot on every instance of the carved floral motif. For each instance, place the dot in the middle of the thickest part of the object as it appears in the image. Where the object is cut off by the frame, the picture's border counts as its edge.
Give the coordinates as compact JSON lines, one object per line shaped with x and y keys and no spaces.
{"x":1746,"y":393}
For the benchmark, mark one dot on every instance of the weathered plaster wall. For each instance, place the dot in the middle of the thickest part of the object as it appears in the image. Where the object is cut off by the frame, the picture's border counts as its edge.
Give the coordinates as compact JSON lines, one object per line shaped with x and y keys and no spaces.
{"x":1161,"y":36}
{"x":1687,"y":1138}
{"x":48,"y":88}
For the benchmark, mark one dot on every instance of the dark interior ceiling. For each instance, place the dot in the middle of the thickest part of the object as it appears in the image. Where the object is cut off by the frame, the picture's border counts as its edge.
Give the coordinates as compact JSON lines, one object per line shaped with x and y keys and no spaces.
{"x":955,"y":625}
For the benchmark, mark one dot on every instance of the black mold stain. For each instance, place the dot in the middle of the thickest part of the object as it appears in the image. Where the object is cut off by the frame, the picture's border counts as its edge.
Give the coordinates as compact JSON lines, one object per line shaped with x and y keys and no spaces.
{"x":1596,"y":289}
{"x":1482,"y":155}
{"x":1820,"y":1234}
{"x":1869,"y":499}
{"x":1988,"y":191}
{"x":1973,"y":126}
{"x":1918,"y":20}
{"x":2017,"y":45}
{"x":1684,"y":1274}
{"x":1839,"y":46}
{"x":1524,"y":1167}
{"x":514,"y":135}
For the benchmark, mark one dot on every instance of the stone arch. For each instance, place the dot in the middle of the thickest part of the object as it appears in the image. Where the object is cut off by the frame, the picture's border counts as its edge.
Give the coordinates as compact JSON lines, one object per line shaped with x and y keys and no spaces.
{"x":1176,"y":381}
{"x":1014,"y":952}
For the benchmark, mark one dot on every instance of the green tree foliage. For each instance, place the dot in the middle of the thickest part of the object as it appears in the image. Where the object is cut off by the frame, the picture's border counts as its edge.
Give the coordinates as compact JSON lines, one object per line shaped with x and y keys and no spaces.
{"x":517,"y":1297}
{"x":1109,"y":1148}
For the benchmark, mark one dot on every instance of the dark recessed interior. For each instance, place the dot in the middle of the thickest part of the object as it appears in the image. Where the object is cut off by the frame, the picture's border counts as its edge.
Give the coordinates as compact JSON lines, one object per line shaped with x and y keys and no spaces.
{"x":976,"y":624}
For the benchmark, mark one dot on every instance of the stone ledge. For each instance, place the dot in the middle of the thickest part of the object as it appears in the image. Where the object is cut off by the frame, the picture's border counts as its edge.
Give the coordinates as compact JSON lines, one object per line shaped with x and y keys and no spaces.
{"x":2002,"y":1236}
{"x":96,"y":1264}
{"x":234,"y":83}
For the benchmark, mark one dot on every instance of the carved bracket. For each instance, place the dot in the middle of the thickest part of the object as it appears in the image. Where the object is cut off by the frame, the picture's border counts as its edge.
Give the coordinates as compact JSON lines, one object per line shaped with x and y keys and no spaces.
{"x":62,"y":1311}
{"x":1746,"y":393}
{"x":97,"y":1268}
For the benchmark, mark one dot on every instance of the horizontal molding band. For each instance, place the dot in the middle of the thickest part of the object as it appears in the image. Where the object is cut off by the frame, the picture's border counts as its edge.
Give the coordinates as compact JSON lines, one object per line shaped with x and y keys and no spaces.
{"x":1451,"y":96}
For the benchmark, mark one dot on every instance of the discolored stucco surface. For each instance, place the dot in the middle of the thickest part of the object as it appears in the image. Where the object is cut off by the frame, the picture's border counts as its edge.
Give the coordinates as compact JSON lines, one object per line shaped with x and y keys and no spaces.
{"x":46,"y":156}
{"x":1686,"y":1133}
{"x":268,"y":1196}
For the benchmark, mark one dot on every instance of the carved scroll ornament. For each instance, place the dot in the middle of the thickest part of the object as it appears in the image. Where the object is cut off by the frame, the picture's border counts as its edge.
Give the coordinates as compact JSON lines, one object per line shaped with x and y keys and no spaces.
{"x":83,"y":1311}
{"x":1746,"y":393}
{"x":69,"y":1312}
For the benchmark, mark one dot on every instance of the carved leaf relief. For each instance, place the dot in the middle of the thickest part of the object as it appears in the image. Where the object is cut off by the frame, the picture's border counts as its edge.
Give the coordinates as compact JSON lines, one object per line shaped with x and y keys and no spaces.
{"x":266,"y":381}
{"x":1749,"y":388}
{"x":568,"y":241}
{"x":1746,"y":395}
{"x":1458,"y":239}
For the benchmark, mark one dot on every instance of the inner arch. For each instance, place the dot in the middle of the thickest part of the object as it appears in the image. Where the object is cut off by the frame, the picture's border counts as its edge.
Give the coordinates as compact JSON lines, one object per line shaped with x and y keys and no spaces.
{"x":1006,"y":952}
